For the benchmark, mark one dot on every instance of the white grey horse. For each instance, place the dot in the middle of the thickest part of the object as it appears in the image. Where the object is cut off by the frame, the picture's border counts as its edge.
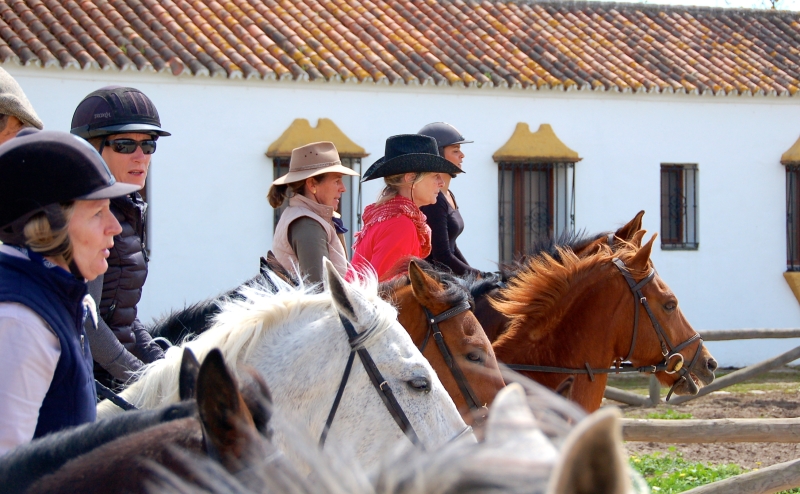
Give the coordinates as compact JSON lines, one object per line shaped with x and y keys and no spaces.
{"x":296,"y":340}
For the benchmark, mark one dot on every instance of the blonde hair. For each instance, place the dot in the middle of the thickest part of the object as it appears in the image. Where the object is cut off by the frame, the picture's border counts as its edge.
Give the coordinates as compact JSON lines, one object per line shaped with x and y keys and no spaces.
{"x":41,"y":237}
{"x":393,"y":184}
{"x":279,"y":193}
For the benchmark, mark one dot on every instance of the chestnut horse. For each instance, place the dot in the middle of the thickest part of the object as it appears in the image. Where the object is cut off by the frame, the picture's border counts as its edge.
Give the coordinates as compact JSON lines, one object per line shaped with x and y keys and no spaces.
{"x":572,"y":315}
{"x":436,"y":311}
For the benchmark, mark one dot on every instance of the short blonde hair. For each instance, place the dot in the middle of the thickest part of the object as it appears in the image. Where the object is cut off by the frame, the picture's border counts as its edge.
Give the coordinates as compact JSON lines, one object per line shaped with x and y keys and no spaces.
{"x":41,"y":238}
{"x":393,"y":184}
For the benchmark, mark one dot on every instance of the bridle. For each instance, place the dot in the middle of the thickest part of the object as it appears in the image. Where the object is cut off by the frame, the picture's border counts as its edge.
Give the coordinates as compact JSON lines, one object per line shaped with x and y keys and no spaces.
{"x":463,"y":385}
{"x":668,"y":351}
{"x":380,"y":384}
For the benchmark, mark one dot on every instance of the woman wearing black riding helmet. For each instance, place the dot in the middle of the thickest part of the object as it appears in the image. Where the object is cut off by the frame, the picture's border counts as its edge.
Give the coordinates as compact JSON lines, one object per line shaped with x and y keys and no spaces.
{"x":443,"y":217}
{"x":56,"y":229}
{"x":123,"y":125}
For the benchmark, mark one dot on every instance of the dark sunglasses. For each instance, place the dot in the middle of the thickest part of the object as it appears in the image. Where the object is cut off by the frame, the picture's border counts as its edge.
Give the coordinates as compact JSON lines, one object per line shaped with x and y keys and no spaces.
{"x":128,"y":146}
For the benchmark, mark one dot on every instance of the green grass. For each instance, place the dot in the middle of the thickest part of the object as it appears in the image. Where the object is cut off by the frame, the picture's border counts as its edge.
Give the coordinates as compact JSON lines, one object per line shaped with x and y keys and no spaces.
{"x":670,"y":473}
{"x":669,"y":414}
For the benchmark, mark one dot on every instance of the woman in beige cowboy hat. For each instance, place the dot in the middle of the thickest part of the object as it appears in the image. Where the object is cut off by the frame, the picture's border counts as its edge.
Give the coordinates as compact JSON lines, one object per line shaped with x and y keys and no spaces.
{"x":310,"y":227}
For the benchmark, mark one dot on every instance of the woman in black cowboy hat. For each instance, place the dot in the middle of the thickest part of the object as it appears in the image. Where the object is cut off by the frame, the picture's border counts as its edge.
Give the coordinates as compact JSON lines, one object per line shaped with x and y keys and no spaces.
{"x":394,"y":227}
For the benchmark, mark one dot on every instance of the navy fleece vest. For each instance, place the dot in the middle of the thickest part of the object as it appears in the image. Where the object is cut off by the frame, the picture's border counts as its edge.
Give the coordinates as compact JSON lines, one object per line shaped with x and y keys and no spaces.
{"x":57,"y":299}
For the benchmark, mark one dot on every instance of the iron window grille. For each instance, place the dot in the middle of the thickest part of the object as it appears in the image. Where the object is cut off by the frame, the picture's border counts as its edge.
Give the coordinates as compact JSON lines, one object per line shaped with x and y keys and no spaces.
{"x":536,"y":203}
{"x":792,"y":218}
{"x":679,"y":206}
{"x":349,"y":204}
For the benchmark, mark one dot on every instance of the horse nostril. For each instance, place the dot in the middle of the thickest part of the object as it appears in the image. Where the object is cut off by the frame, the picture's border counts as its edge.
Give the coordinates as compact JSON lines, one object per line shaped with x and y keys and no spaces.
{"x":711,"y":365}
{"x":420,"y":384}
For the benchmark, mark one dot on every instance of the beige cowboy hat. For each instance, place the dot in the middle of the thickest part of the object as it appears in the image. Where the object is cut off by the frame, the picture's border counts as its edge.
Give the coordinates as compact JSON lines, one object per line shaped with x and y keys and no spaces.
{"x":312,"y":160}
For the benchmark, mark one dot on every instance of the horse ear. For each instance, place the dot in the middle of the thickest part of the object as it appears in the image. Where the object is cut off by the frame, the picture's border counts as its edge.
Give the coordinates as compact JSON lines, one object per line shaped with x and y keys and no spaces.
{"x":187,"y":379}
{"x":512,"y":426}
{"x":592,"y":458}
{"x":565,"y":388}
{"x":227,"y":424}
{"x":637,"y":238}
{"x":421,"y":284}
{"x":627,"y":231}
{"x":336,"y":285}
{"x":639,"y":260}
{"x":258,"y":399}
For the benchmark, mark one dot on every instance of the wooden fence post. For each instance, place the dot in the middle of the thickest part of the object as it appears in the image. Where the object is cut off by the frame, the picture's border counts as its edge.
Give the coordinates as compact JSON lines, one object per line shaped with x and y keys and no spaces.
{"x":712,"y":431}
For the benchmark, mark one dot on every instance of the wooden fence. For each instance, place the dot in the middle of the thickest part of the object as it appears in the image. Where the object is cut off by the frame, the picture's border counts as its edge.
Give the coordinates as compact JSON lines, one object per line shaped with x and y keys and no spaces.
{"x":775,"y":478}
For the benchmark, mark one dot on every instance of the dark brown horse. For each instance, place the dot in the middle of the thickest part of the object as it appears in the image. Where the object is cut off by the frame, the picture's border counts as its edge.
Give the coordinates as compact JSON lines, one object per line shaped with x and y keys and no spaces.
{"x":230,"y":425}
{"x":436,"y":311}
{"x":586,"y":313}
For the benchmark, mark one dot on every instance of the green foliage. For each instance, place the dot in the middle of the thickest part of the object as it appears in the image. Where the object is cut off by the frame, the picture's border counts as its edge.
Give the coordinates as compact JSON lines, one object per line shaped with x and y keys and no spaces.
{"x":670,"y":473}
{"x":669,"y":414}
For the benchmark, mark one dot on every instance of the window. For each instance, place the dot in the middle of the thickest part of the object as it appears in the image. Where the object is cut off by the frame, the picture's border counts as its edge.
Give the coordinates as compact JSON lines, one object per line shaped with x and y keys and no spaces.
{"x":792,"y":218}
{"x":679,"y":206}
{"x":536,"y":203}
{"x":349,"y":204}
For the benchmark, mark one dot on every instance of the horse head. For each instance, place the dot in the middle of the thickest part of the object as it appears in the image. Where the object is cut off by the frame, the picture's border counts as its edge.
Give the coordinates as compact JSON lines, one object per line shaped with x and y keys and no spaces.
{"x":436,"y":311}
{"x":412,"y":380}
{"x":572,"y":315}
{"x":664,"y":333}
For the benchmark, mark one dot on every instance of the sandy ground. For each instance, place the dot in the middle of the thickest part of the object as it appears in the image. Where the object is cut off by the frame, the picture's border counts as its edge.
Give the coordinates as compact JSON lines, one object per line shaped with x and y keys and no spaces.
{"x":722,"y":404}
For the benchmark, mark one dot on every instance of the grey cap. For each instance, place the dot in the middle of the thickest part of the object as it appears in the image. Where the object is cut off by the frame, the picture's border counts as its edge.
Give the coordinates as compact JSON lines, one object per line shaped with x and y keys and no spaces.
{"x":14,"y":102}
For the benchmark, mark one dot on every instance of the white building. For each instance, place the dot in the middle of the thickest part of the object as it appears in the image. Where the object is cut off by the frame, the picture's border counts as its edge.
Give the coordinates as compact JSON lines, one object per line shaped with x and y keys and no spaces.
{"x":210,"y":221}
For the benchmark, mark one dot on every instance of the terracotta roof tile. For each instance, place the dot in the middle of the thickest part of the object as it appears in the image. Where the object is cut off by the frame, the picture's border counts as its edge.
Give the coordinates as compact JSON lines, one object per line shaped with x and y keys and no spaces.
{"x":467,"y":43}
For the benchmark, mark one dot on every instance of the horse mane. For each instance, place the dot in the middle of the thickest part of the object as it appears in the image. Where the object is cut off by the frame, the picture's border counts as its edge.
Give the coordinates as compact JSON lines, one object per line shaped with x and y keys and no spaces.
{"x":535,"y":292}
{"x":552,"y":247}
{"x":453,"y":292}
{"x":242,"y":321}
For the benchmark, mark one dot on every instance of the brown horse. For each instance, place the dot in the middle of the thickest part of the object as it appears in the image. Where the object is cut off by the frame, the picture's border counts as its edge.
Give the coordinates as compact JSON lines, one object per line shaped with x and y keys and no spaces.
{"x":574,"y":316}
{"x":435,"y":310}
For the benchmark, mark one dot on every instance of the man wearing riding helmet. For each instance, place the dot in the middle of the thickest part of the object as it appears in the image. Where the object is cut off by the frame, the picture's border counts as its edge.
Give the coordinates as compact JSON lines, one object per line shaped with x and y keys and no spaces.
{"x":56,"y":229}
{"x":123,"y":125}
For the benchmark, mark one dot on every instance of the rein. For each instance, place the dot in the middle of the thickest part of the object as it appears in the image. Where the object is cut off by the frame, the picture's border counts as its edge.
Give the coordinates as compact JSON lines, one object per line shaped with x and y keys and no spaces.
{"x":113,"y":397}
{"x":380,"y":384}
{"x":668,"y":351}
{"x":463,"y":385}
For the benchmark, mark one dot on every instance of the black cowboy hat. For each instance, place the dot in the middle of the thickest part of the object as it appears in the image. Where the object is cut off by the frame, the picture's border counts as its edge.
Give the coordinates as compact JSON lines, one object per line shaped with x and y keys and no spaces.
{"x":410,"y":153}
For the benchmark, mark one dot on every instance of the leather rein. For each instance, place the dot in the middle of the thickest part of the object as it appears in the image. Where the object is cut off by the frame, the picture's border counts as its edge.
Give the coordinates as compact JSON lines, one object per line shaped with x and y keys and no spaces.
{"x":668,"y":351}
{"x":463,"y":385}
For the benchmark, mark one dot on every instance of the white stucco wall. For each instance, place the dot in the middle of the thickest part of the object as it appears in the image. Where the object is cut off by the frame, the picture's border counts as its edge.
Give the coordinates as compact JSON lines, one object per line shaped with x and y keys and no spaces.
{"x":210,"y":220}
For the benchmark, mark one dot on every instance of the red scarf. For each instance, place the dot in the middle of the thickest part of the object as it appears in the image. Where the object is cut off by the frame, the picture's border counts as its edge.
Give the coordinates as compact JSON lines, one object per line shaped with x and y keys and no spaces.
{"x":398,"y":206}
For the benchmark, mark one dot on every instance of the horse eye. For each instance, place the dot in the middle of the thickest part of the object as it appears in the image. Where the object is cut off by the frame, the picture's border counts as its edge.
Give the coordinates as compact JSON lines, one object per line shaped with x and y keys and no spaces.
{"x":475,"y":357}
{"x":670,"y":306}
{"x":421,"y":384}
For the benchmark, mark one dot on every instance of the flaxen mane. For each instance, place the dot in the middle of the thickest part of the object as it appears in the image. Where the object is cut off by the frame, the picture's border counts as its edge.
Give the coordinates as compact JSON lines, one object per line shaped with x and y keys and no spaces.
{"x":535,"y":297}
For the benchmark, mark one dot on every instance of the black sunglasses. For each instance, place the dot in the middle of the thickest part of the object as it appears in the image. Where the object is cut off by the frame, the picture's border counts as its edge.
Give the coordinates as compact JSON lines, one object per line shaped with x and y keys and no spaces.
{"x":128,"y":146}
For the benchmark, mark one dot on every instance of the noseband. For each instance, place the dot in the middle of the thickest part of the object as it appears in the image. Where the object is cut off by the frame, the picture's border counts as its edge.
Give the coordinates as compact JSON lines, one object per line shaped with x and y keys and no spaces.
{"x":463,"y":385}
{"x":668,"y":351}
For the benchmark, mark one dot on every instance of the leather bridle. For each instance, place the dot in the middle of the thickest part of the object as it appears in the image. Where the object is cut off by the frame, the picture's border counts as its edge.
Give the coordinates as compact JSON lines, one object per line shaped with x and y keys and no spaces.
{"x":463,"y":385}
{"x":381,"y":386}
{"x":668,"y":351}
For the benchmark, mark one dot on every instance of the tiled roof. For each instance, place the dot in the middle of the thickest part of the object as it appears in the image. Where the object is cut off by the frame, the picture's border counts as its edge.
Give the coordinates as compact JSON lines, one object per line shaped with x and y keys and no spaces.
{"x":563,"y":45}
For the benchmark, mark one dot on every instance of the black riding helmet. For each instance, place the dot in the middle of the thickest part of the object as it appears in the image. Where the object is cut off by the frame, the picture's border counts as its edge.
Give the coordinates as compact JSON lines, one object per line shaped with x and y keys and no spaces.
{"x":445,"y":135}
{"x":116,"y":110}
{"x":40,"y":170}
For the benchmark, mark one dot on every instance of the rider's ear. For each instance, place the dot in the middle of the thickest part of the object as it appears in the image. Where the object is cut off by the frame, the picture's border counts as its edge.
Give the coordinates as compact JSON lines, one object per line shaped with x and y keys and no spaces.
{"x":639,"y":260}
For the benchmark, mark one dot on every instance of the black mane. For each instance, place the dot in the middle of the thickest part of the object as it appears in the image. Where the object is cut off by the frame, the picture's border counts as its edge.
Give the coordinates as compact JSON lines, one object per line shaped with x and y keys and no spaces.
{"x":454,"y":291}
{"x":574,"y":241}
